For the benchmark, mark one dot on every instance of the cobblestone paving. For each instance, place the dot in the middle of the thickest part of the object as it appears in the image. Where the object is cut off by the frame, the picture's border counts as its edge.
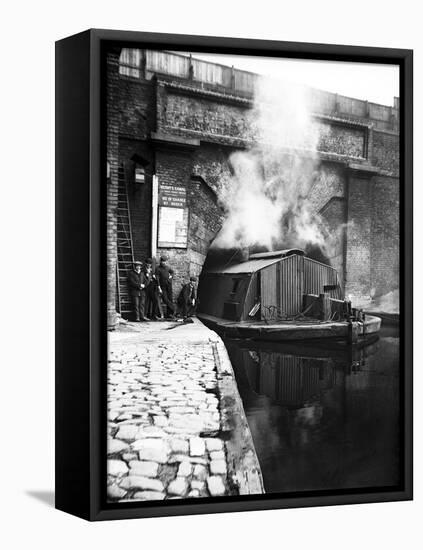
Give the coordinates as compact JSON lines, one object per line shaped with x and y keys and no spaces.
{"x":164,"y":423}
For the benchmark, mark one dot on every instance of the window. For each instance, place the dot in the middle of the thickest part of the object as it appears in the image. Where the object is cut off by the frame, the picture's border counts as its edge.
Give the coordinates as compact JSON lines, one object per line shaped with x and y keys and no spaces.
{"x":235,"y":286}
{"x":130,"y":62}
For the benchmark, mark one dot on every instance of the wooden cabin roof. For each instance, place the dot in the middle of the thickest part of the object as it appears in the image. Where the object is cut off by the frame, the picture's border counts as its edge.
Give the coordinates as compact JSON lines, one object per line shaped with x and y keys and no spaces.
{"x":256,"y":262}
{"x":278,"y":253}
{"x":250,"y":266}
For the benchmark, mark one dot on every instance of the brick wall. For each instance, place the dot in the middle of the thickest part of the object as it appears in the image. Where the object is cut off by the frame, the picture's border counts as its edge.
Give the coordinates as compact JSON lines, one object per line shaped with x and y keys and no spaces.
{"x":330,"y":181}
{"x":112,"y":138}
{"x":211,"y":162}
{"x":335,"y":214}
{"x":342,"y":140}
{"x":139,"y":195}
{"x":223,"y":119}
{"x":385,"y":151}
{"x":137,"y":107}
{"x":205,"y":116}
{"x":358,"y":234}
{"x":385,"y":208}
{"x":372,"y":237}
{"x":176,"y":168}
{"x":384,"y":244}
{"x":206,"y":219}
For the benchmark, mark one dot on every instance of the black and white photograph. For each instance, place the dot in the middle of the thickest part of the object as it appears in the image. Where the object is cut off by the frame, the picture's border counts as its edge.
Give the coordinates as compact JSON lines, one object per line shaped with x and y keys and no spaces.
{"x":210,"y":292}
{"x":253,"y":275}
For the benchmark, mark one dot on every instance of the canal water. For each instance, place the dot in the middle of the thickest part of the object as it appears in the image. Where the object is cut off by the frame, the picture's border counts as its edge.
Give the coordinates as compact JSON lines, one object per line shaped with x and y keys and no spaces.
{"x":322,"y":418}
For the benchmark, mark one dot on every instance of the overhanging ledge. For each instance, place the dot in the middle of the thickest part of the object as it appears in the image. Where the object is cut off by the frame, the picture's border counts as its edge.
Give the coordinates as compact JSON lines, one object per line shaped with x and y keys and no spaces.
{"x":364,"y":168}
{"x":174,"y":141}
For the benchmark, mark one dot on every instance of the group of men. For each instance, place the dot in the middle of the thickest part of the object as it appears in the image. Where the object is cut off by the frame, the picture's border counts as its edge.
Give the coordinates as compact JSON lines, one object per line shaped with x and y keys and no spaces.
{"x":151,"y":292}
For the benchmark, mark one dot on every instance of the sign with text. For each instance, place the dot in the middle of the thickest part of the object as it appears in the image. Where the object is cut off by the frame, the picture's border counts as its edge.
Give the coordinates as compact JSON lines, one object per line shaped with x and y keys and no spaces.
{"x":173,"y":216}
{"x":173,"y":227}
{"x":173,"y":196}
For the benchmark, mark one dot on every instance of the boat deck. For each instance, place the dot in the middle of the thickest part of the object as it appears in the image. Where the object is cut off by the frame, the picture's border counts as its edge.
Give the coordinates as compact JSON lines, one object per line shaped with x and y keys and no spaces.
{"x":294,"y":330}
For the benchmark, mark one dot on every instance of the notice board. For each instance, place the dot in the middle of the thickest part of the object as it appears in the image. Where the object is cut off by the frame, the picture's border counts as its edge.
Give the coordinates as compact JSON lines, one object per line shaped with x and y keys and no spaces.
{"x":173,"y":216}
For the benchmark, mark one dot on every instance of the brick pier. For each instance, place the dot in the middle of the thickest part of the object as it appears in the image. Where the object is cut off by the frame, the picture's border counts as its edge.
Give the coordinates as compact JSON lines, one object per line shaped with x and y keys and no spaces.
{"x":176,"y":424}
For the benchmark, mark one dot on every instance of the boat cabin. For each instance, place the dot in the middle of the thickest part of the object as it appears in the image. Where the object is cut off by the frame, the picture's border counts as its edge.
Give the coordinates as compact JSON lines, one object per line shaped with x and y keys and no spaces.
{"x":269,"y":285}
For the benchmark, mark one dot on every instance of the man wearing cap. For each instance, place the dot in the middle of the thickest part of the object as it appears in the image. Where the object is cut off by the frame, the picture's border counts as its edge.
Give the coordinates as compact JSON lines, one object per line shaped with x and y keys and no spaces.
{"x":154,"y":306}
{"x":137,"y":284}
{"x":149,"y":287}
{"x":187,"y":300}
{"x":164,"y":277}
{"x":167,"y":296}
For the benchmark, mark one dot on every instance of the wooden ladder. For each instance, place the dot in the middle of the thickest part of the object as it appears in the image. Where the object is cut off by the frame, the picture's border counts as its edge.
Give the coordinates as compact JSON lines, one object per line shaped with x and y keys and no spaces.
{"x":125,"y":251}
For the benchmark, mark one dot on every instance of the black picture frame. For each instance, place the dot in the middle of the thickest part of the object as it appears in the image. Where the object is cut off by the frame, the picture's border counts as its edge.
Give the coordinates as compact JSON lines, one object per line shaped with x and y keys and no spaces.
{"x":81,"y":329}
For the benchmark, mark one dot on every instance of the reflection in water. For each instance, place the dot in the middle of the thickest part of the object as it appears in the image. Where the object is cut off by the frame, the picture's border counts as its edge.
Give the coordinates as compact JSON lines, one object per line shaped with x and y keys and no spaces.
{"x":322,"y":419}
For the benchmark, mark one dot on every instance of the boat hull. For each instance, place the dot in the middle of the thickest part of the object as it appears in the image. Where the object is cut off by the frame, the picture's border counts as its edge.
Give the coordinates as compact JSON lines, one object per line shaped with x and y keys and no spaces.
{"x":289,"y":331}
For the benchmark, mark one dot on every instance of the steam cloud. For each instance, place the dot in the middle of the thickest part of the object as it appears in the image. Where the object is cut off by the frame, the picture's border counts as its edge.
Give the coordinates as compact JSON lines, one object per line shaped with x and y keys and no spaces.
{"x":266,"y":200}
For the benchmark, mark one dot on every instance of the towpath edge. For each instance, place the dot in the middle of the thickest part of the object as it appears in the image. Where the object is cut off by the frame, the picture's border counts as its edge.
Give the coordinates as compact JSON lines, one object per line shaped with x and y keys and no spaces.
{"x":176,"y":424}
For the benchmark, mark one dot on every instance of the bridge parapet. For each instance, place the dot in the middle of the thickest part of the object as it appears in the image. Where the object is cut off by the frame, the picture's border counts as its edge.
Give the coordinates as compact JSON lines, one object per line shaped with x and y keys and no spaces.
{"x":149,"y":63}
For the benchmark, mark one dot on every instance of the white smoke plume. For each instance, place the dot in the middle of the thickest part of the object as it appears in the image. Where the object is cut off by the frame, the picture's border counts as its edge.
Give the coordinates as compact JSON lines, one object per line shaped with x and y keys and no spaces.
{"x":266,"y":200}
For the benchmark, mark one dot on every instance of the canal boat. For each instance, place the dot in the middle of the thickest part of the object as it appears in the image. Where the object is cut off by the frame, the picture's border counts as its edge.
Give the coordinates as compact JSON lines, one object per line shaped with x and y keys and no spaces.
{"x":281,"y":296}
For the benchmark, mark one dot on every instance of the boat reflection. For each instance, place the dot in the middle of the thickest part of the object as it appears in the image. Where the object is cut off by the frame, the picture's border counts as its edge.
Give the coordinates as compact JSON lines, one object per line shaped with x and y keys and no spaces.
{"x":322,"y":418}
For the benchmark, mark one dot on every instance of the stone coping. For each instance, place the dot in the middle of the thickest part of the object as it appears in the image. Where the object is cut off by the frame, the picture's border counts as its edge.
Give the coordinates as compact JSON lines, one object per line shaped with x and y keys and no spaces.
{"x":152,"y":445}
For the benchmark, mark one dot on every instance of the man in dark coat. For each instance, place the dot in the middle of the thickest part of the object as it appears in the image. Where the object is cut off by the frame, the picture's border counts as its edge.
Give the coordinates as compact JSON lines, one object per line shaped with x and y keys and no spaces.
{"x":164,"y":278}
{"x":170,"y":286}
{"x":137,"y":284}
{"x":154,"y":306}
{"x":187,"y":300}
{"x":149,"y":287}
{"x":153,"y":292}
{"x":167,"y":296}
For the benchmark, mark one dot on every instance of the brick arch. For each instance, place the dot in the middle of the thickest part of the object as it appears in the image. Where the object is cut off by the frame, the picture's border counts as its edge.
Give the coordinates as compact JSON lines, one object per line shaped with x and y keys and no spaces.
{"x":205,"y":221}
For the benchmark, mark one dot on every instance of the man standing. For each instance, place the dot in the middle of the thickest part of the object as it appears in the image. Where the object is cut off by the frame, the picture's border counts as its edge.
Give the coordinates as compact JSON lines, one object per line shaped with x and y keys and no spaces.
{"x":170,"y":287}
{"x":187,"y":300}
{"x":154,"y":306}
{"x":149,"y":287}
{"x":164,"y":279}
{"x":137,"y":284}
{"x":167,"y":296}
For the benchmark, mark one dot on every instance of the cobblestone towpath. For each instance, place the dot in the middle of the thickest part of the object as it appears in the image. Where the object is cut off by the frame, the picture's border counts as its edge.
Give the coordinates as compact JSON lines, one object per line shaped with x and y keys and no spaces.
{"x":176,"y":425}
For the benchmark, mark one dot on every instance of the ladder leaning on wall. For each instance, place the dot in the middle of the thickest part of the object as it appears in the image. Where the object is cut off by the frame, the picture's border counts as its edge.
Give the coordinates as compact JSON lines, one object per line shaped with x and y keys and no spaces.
{"x":125,"y":253}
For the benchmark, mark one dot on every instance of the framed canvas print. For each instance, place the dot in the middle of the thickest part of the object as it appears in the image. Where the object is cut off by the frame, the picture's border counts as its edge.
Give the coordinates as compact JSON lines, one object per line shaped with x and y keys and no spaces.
{"x":234,"y":274}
